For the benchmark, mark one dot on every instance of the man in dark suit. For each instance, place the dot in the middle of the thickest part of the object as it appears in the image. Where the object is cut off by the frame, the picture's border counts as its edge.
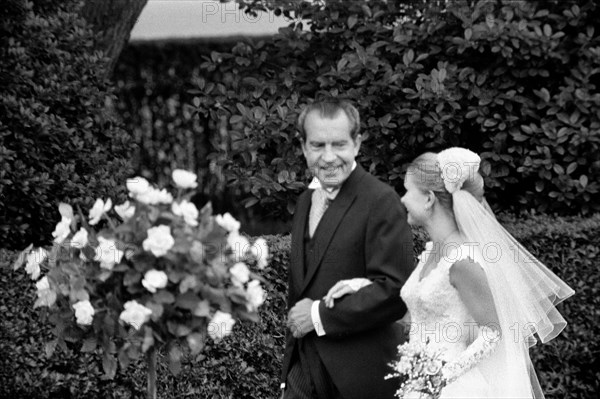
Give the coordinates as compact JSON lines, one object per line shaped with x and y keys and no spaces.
{"x":347,"y":225}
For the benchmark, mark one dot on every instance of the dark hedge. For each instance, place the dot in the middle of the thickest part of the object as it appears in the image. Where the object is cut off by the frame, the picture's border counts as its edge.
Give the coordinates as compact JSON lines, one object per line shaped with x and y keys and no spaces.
{"x":247,"y":363}
{"x":58,"y":141}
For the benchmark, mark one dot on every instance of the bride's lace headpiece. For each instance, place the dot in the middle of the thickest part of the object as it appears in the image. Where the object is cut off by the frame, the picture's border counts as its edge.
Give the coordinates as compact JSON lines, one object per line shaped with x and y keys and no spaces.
{"x":457,"y":165}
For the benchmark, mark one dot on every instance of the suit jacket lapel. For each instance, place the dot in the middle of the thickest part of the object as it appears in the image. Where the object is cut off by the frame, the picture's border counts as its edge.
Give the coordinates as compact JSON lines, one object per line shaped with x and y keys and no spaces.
{"x":297,"y":255}
{"x":331,"y":219}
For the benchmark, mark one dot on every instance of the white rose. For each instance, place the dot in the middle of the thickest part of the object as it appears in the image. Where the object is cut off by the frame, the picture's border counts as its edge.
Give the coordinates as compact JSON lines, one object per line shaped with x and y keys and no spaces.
{"x":43,"y":284}
{"x":135,"y":314}
{"x":137,"y":185}
{"x":66,"y":211}
{"x":164,"y":197}
{"x":240,"y":274}
{"x":255,"y":295}
{"x":227,"y":222}
{"x":62,"y":230}
{"x":154,"y":279}
{"x":125,"y":210}
{"x":34,"y":259}
{"x":46,"y":296}
{"x":188,"y":210}
{"x":100,"y":208}
{"x":457,"y":165}
{"x":260,"y":251}
{"x":238,"y":244}
{"x":155,"y":196}
{"x":184,"y":179}
{"x":220,"y":325}
{"x":84,"y":312}
{"x":159,"y":240}
{"x":80,"y":239}
{"x":107,"y":253}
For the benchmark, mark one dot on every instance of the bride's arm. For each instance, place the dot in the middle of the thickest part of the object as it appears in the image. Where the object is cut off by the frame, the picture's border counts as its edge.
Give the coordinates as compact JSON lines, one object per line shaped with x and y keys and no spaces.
{"x":469,"y":279}
{"x":344,"y":287}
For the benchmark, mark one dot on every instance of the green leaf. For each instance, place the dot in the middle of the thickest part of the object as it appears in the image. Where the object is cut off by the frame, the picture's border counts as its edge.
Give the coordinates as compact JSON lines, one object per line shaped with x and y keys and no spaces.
{"x":408,"y":57}
{"x":157,"y":310}
{"x":50,"y":347}
{"x":175,"y":356}
{"x":468,"y":33}
{"x":163,"y":296}
{"x":558,"y":169}
{"x":189,"y":301}
{"x":109,"y":365}
{"x":89,"y":344}
{"x":472,"y":114}
{"x":352,"y":19}
{"x":250,"y":202}
{"x":539,"y":186}
{"x":202,"y":309}
{"x":131,"y":277}
{"x":196,"y":342}
{"x":236,"y":119}
{"x":124,"y":359}
{"x":544,"y":94}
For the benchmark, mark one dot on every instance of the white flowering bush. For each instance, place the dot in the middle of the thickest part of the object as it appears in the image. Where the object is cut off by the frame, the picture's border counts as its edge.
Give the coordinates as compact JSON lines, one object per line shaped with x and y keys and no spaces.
{"x":154,"y":271}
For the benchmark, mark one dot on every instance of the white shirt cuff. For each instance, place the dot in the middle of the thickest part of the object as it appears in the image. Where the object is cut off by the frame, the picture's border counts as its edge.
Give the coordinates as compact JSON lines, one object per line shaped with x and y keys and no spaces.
{"x":316,"y":318}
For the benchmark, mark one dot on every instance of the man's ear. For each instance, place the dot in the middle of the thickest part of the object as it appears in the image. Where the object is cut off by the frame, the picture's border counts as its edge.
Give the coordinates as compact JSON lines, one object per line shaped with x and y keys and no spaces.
{"x":303,"y":146}
{"x":357,"y":143}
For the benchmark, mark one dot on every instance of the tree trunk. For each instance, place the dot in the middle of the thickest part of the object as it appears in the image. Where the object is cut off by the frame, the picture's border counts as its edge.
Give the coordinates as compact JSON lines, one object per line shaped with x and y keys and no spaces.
{"x":112,"y":20}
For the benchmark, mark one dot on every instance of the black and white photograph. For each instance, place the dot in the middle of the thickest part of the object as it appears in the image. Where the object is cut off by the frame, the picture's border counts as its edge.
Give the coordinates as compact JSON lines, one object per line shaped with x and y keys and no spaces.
{"x":299,"y":199}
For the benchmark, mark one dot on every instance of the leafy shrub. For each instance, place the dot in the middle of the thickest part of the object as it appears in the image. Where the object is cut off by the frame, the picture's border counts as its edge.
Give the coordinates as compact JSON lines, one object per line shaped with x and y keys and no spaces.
{"x":247,"y":363}
{"x":58,"y":142}
{"x":515,"y":81}
{"x":568,"y":366}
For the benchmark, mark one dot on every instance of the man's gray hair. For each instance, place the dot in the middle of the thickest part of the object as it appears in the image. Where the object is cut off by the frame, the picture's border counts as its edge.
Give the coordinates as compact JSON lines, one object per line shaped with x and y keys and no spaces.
{"x":330,"y":108}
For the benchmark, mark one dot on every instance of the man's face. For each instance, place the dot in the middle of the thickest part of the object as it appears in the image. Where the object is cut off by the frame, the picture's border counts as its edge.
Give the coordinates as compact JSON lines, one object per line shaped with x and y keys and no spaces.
{"x":329,"y":148}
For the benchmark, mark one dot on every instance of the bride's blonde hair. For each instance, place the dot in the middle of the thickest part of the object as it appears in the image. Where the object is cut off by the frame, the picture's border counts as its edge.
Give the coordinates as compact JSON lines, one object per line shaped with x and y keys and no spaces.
{"x":428,"y":177}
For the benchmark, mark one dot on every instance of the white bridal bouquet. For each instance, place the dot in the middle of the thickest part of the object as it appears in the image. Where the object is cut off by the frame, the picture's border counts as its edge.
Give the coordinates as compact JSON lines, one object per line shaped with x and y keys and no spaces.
{"x":419,"y":369}
{"x":154,"y":271}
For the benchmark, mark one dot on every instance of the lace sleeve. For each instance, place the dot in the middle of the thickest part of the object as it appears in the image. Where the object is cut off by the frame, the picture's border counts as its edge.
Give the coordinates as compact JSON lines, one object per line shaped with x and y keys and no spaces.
{"x":481,"y":348}
{"x":357,"y":283}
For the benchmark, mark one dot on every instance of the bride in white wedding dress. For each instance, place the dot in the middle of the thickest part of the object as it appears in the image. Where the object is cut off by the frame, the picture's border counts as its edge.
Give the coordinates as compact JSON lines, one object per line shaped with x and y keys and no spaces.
{"x":476,"y":293}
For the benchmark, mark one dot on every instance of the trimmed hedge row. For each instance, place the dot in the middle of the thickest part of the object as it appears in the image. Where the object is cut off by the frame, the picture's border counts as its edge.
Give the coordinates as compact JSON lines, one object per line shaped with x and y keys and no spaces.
{"x":247,"y":364}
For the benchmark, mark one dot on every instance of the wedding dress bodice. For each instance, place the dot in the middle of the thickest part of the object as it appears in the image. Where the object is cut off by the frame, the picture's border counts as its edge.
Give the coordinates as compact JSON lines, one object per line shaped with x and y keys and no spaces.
{"x":437,"y":313}
{"x":436,"y":310}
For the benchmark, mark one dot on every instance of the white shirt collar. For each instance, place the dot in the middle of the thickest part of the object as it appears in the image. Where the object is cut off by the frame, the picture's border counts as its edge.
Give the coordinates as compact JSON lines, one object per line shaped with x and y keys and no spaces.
{"x":315,"y":184}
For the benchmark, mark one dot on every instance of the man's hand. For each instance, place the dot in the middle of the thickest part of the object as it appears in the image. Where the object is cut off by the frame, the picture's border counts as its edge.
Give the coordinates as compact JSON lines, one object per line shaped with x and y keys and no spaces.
{"x":299,"y":320}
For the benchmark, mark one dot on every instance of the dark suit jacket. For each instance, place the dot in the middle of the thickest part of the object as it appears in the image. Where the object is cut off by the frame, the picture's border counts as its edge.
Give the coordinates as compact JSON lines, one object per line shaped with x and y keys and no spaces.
{"x":363,"y":233}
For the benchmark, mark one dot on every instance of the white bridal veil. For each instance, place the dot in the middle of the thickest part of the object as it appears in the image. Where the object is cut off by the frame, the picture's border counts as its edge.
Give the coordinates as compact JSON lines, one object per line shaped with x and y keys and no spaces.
{"x":525,"y":292}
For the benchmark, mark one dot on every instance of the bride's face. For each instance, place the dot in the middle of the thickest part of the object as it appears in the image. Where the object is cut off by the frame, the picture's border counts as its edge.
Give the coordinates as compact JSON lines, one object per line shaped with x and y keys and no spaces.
{"x":415,"y":201}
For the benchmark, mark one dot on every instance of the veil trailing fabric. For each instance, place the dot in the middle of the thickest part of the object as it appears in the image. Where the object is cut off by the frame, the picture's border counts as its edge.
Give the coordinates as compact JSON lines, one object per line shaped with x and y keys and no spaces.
{"x":525,"y":294}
